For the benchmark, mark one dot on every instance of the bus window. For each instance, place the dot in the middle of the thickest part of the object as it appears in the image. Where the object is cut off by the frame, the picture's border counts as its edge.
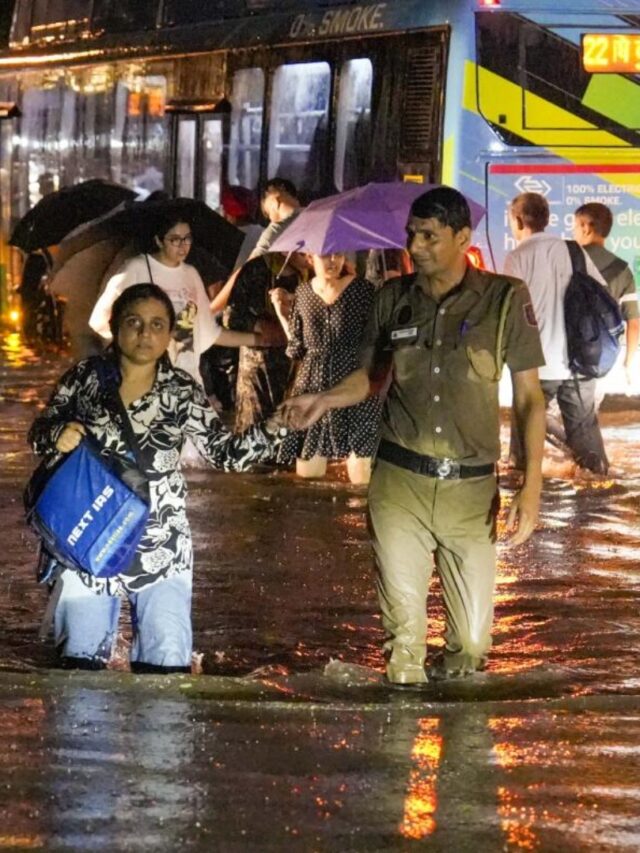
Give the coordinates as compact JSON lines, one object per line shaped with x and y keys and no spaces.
{"x":119,"y":16}
{"x":353,"y":140}
{"x":189,"y":12}
{"x":39,"y":138}
{"x":58,"y":19}
{"x":21,"y":26}
{"x":139,"y":152}
{"x":186,"y":158}
{"x":298,"y":127}
{"x":211,"y":161}
{"x":247,"y":98}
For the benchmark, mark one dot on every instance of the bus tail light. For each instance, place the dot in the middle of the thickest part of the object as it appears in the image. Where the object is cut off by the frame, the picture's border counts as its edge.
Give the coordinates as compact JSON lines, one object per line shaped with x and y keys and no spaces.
{"x":474,"y":256}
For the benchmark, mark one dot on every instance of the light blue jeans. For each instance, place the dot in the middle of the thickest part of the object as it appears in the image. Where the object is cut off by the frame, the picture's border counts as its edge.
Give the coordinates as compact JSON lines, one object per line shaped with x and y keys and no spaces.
{"x":86,"y":624}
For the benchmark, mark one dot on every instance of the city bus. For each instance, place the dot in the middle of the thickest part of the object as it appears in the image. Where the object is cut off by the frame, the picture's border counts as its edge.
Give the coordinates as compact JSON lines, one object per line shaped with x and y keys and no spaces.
{"x":494,"y":97}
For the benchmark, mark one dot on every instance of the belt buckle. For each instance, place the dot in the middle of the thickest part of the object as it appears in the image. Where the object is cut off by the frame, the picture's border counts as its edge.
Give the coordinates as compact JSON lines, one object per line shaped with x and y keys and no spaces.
{"x":447,"y":469}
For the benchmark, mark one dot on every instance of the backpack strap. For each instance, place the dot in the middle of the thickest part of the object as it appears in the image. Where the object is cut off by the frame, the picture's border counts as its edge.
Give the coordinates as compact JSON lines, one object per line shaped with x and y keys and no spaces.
{"x":502,"y":321}
{"x":613,"y":269}
{"x":578,"y":261}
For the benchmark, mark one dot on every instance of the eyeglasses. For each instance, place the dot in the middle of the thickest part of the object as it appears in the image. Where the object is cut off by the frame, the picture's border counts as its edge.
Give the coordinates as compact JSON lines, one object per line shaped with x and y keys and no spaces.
{"x":175,"y":240}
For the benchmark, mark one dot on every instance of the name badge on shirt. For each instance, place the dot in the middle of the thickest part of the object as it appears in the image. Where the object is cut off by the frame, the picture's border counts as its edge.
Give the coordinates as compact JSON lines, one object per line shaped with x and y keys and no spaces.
{"x":409,"y":334}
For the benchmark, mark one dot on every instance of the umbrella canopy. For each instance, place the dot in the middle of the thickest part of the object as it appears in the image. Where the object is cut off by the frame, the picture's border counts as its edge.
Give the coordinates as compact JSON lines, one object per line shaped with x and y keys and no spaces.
{"x":58,"y":213}
{"x":370,"y":217}
{"x":79,"y":280}
{"x":140,"y":221}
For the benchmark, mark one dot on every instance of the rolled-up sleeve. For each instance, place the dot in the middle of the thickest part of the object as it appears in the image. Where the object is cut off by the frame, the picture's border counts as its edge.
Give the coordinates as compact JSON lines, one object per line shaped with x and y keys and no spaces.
{"x":522,"y":349}
{"x":374,"y":336}
{"x":59,"y":411}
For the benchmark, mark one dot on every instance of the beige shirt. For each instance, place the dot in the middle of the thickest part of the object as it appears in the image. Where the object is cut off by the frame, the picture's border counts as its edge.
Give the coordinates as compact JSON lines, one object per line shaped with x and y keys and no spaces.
{"x":443,"y":397}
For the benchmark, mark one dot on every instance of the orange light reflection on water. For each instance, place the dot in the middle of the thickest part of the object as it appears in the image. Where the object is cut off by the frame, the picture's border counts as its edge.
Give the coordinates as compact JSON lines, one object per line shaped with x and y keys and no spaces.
{"x":516,"y":820}
{"x":15,"y":351}
{"x":21,"y":842}
{"x":421,"y":801}
{"x":22,"y":723}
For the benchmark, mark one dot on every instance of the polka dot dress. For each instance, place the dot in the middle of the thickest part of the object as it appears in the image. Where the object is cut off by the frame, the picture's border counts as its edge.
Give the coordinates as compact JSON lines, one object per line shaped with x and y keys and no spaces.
{"x":325,"y":341}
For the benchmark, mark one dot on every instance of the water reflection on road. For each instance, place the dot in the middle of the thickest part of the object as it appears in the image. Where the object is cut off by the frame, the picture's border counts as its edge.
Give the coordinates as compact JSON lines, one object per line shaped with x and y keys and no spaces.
{"x":117,"y":762}
{"x":538,"y":753}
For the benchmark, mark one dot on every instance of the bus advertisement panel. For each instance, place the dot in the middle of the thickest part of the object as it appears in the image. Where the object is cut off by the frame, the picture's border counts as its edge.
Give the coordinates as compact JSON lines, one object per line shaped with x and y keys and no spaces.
{"x":566,"y":186}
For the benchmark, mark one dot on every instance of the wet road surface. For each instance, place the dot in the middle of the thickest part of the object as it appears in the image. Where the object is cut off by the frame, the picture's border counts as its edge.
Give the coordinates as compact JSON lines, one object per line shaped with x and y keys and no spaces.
{"x":290,"y":740}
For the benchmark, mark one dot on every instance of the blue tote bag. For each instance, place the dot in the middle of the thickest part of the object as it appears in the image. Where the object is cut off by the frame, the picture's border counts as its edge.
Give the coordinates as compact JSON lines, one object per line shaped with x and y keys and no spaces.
{"x":89,"y":511}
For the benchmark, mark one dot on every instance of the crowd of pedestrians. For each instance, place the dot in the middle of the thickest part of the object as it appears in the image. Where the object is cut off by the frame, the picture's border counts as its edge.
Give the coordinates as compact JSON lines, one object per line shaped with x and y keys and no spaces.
{"x":398,"y":378}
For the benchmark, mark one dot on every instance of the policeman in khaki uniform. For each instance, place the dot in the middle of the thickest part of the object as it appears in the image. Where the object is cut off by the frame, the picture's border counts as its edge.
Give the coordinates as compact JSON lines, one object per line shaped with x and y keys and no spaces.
{"x":447,"y":330}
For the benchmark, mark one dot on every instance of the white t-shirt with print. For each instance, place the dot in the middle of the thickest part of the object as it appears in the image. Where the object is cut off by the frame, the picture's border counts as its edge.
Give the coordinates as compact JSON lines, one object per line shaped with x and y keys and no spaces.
{"x":195,"y":329}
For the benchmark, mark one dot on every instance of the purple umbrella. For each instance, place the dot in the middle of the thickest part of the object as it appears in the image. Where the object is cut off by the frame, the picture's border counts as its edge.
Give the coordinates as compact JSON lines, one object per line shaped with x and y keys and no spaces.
{"x":370,"y":217}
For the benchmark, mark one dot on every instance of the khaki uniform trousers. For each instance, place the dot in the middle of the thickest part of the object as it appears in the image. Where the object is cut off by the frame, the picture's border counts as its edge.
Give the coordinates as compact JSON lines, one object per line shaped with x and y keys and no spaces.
{"x":416,"y":521}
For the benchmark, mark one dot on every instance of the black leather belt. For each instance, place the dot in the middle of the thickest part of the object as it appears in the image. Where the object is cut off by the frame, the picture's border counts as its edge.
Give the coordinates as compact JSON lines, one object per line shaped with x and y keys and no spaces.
{"x":443,"y":469}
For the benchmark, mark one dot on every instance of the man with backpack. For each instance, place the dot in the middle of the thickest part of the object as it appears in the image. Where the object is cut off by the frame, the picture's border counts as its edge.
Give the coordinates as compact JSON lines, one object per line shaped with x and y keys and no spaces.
{"x":543,"y":262}
{"x":591,"y":228}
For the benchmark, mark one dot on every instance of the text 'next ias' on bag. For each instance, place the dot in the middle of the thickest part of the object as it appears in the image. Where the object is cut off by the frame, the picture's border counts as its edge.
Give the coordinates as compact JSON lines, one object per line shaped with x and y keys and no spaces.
{"x":90,"y":512}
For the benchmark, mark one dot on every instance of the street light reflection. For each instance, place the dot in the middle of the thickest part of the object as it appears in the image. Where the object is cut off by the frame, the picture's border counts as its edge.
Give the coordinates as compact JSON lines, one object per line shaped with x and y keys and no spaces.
{"x":421,"y":801}
{"x":21,"y":723}
{"x":516,"y":821}
{"x":14,"y":349}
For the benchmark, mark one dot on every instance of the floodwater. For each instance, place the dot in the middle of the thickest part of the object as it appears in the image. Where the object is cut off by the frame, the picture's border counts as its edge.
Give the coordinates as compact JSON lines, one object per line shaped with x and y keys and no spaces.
{"x":289,"y":739}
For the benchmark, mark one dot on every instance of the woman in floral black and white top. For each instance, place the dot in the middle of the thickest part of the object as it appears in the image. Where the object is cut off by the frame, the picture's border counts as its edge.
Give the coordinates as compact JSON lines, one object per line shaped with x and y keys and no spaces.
{"x":165,"y":406}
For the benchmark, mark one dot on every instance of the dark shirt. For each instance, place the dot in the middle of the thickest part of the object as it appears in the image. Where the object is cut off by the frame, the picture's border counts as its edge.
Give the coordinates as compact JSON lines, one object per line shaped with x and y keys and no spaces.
{"x":621,"y":285}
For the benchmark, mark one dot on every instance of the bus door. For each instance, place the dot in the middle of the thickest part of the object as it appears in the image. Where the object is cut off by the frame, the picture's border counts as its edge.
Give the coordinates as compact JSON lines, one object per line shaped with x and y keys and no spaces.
{"x":185,"y":138}
{"x":8,"y":112}
{"x":198,"y":150}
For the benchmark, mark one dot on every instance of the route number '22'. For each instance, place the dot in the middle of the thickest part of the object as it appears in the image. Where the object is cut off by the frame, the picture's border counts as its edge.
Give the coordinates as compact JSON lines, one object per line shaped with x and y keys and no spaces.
{"x":611,"y":52}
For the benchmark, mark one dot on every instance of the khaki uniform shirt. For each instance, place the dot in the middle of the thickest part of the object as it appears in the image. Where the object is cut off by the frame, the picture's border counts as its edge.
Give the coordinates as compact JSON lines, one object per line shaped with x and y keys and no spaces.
{"x":443,"y":397}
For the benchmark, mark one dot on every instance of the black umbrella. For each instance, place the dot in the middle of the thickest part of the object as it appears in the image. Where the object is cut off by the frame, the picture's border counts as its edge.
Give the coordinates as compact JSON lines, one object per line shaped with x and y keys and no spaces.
{"x":141,"y":220}
{"x":58,"y":213}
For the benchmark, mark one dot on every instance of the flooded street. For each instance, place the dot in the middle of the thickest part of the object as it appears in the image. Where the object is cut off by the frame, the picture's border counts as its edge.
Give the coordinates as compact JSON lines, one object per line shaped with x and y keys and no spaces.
{"x":289,"y":739}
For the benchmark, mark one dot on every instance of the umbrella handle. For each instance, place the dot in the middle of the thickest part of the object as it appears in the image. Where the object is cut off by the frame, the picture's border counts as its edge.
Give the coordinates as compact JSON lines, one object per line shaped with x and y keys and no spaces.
{"x":299,"y":246}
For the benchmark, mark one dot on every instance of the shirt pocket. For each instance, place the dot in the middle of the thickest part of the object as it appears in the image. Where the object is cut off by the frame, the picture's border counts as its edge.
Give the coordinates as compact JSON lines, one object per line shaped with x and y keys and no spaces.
{"x":409,"y":360}
{"x":479,"y":347}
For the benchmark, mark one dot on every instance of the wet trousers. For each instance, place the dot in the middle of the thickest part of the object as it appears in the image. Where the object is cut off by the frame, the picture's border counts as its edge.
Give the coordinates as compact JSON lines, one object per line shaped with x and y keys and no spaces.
{"x":576,"y":401}
{"x":86,"y":624}
{"x":417,"y":522}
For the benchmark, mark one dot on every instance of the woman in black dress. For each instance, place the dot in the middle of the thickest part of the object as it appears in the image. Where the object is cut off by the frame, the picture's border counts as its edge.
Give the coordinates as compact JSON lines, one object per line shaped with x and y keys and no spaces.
{"x":324,"y":332}
{"x":263,"y":372}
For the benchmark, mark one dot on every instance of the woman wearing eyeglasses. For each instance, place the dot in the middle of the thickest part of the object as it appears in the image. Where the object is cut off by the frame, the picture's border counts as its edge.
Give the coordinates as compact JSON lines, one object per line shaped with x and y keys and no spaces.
{"x":166,"y":267}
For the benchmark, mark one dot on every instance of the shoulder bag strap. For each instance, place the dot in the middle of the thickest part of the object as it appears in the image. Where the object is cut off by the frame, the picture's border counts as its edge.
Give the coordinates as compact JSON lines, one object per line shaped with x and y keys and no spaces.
{"x":146,"y":257}
{"x":129,"y":434}
{"x":115,"y":400}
